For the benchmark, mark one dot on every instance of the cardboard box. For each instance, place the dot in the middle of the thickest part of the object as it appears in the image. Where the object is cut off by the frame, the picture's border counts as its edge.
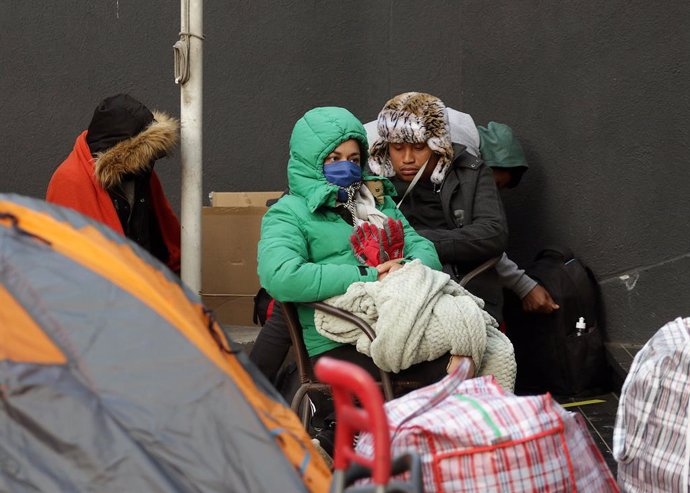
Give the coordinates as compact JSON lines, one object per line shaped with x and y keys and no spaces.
{"x":230,"y":231}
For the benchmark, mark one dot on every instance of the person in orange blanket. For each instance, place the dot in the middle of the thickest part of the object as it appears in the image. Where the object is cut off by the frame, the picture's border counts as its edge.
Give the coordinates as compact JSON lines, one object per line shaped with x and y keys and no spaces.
{"x":109,"y":175}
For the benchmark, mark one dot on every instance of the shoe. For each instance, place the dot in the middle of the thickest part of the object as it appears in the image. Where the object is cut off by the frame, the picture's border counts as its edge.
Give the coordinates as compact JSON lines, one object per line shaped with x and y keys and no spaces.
{"x":324,"y":455}
{"x":326,"y":436}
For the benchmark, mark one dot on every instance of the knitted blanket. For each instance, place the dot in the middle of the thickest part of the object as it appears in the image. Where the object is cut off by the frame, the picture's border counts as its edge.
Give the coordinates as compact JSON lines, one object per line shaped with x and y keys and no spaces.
{"x":420,"y":314}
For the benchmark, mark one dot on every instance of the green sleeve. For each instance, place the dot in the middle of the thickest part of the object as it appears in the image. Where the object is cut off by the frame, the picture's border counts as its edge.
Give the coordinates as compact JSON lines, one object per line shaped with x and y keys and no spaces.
{"x":284,"y":266}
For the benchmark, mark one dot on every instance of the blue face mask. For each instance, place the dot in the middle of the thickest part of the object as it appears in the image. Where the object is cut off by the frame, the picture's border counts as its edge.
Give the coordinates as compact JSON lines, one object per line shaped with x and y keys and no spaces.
{"x":342,"y":174}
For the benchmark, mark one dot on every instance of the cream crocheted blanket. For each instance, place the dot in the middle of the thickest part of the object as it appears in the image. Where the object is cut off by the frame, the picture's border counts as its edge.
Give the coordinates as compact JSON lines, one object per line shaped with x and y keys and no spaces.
{"x":420,"y":314}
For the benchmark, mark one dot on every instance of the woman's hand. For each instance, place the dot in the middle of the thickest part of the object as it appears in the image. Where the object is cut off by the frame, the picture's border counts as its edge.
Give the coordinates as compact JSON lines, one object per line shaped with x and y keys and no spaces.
{"x":388,"y":267}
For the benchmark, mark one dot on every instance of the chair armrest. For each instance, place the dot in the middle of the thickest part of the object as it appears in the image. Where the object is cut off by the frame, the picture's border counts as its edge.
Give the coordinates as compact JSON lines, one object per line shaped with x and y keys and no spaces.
{"x":489,"y":264}
{"x":345,"y":315}
{"x":386,"y":384}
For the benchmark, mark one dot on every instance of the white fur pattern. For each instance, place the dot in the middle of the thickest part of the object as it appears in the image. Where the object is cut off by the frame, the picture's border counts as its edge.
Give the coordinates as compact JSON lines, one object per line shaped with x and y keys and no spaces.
{"x":412,"y":117}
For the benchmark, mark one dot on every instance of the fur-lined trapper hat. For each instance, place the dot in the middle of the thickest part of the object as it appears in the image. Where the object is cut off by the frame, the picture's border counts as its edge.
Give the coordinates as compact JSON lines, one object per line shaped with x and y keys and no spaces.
{"x":414,"y":118}
{"x":125,"y":138}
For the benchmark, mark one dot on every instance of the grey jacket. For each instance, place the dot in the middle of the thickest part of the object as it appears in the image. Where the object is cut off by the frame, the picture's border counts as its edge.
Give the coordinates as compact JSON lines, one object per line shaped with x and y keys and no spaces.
{"x":514,"y":278}
{"x":476,"y":226}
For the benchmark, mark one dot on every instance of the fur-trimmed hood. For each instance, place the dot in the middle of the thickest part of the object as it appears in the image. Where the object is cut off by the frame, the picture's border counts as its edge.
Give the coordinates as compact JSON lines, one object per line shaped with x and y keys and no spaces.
{"x":413,"y":117}
{"x":135,"y":154}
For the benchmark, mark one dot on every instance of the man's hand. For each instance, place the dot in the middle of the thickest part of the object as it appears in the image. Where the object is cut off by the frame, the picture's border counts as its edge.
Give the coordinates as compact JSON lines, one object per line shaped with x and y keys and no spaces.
{"x":367,"y":245}
{"x":539,"y":301}
{"x":388,"y":267}
{"x":393,"y":238}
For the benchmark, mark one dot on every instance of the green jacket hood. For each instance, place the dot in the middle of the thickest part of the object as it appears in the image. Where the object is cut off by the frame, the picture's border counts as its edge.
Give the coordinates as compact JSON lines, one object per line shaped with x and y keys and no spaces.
{"x":499,"y":147}
{"x":314,"y":137}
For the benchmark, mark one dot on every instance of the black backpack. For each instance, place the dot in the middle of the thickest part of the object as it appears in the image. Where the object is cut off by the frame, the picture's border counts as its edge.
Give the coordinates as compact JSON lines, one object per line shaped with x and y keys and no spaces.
{"x":552,"y":354}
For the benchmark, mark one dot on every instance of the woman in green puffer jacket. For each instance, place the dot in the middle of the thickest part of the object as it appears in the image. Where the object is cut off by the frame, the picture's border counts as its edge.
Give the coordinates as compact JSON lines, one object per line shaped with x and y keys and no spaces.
{"x":305,"y":252}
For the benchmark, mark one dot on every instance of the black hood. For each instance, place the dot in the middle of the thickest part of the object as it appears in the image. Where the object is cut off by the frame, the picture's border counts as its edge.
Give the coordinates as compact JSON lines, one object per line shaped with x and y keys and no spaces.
{"x":116,"y":118}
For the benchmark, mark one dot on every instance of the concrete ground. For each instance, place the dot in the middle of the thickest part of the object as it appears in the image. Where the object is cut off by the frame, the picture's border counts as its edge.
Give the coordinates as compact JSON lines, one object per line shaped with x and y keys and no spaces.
{"x":243,"y":336}
{"x":600,"y":410}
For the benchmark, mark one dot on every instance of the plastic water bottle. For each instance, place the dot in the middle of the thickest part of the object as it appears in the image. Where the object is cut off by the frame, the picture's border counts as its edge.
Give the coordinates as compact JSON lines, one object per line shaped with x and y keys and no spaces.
{"x":580,"y":326}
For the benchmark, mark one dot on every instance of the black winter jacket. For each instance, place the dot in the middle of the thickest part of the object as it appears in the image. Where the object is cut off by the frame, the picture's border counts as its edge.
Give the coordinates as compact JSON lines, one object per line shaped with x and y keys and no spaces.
{"x":476,"y":228}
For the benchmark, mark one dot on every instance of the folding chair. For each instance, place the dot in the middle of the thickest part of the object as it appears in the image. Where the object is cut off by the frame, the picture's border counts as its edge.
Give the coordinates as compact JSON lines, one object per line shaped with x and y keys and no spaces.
{"x":308,"y":380}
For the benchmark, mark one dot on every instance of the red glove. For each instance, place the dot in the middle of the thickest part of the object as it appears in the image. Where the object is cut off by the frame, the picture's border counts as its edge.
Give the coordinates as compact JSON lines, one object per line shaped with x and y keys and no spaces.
{"x":366,"y":243}
{"x":393,"y":238}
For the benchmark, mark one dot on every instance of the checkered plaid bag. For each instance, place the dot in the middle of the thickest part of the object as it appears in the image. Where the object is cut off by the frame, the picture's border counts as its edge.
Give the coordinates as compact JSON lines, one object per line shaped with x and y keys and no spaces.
{"x":651,"y":440}
{"x":474,"y":437}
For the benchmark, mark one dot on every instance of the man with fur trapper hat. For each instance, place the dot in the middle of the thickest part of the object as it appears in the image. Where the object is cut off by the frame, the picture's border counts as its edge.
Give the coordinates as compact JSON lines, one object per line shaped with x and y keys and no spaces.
{"x":445,"y":191}
{"x":109,"y":175}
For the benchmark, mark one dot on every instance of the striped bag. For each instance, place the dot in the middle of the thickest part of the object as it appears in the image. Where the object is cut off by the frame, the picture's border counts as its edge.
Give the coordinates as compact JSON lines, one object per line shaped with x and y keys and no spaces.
{"x":474,"y":437}
{"x":651,"y":440}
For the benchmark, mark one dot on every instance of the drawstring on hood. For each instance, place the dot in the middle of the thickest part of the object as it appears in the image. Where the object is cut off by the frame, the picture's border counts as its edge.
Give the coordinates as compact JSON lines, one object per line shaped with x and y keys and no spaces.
{"x":352,"y":192}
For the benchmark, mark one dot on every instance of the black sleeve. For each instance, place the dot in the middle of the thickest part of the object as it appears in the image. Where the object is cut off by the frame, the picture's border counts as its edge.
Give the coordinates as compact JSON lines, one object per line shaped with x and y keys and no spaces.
{"x":487,"y":234}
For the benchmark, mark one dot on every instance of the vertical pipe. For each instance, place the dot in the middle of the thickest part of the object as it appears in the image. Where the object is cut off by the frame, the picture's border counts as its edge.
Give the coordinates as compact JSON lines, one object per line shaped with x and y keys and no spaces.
{"x":191,"y":105}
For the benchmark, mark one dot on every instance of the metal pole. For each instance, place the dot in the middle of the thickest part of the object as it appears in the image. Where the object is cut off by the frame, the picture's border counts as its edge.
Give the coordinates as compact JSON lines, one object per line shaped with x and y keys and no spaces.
{"x":191,"y":99}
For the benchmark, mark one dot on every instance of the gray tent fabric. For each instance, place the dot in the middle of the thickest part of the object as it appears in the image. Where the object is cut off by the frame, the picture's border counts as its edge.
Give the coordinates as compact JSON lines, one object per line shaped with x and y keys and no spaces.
{"x":136,"y":407}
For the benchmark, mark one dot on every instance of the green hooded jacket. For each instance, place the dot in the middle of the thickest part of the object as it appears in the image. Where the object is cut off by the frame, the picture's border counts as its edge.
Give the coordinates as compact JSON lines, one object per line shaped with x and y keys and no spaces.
{"x":304,"y":253}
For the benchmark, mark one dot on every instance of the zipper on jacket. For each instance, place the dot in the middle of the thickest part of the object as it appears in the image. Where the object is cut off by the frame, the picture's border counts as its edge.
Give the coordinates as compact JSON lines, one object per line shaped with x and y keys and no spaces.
{"x":129,"y":213}
{"x":445,"y":204}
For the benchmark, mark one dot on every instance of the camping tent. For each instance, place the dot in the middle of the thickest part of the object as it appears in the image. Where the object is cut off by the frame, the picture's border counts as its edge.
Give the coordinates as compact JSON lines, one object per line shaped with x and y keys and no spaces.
{"x":113,"y":378}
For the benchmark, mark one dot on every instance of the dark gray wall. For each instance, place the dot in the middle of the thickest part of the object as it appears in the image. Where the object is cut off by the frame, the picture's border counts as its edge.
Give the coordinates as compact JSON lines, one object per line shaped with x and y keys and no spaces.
{"x":597,"y":91}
